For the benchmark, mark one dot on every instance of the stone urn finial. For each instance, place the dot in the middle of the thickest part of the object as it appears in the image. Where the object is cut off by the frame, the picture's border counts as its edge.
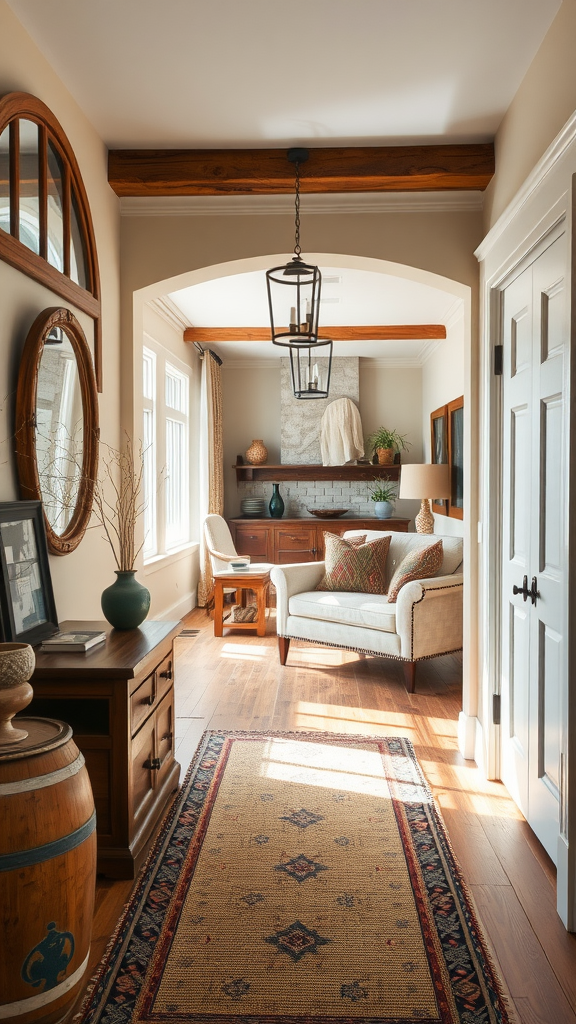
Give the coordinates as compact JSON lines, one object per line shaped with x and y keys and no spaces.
{"x":17,"y":663}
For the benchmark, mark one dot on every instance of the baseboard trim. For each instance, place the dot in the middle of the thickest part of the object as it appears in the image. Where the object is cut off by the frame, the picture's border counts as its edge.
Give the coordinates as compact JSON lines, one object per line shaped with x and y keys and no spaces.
{"x":467,"y":730}
{"x":179,"y":608}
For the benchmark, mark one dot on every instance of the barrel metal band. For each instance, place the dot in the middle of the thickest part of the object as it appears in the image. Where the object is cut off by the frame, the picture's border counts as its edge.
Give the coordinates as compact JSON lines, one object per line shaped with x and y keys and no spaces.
{"x":10,"y":1010}
{"x":38,"y":854}
{"x":42,"y":781}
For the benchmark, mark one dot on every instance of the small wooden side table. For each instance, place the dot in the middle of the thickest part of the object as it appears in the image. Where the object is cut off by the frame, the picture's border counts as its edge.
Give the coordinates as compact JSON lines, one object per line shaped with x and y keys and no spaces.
{"x":257,"y":578}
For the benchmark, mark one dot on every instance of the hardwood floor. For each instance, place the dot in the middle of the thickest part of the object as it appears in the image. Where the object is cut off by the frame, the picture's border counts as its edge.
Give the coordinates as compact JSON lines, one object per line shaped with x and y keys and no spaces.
{"x":236,"y":682}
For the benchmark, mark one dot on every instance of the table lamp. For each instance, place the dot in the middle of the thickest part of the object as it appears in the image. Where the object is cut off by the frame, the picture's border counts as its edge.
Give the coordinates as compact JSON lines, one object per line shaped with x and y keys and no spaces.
{"x":425,"y":482}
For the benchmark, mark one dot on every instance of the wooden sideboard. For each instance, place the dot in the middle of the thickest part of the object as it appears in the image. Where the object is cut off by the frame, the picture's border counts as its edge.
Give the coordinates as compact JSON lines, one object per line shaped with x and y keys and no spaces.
{"x":298,"y":540}
{"x":119,"y":699}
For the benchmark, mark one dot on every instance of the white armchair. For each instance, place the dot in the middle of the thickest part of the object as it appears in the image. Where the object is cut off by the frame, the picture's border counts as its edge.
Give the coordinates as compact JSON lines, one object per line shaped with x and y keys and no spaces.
{"x":425,"y":621}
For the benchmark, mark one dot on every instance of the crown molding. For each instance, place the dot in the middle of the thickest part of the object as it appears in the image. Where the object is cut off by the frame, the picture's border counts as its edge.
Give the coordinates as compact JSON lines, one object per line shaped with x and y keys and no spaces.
{"x":548,"y":161}
{"x":354,"y":203}
{"x":170,"y":312}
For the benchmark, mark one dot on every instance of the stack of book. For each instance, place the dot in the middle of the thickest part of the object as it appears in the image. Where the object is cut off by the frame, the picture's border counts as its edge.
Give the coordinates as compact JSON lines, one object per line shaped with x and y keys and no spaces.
{"x":72,"y":641}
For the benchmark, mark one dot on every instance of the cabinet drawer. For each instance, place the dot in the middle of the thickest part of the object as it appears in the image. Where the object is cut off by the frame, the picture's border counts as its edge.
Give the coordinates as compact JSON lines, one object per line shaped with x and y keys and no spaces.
{"x":141,"y":703}
{"x":296,"y":540}
{"x":164,"y":677}
{"x":252,"y":541}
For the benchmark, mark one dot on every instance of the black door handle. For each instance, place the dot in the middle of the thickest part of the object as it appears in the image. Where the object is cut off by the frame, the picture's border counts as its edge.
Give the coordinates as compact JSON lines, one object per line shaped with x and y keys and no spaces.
{"x":522,"y":590}
{"x":533,"y":593}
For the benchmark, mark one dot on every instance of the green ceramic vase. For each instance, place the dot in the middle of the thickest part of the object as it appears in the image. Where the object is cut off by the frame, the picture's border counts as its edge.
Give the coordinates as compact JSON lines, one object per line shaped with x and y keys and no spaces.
{"x":126,"y":603}
{"x":276,"y":505}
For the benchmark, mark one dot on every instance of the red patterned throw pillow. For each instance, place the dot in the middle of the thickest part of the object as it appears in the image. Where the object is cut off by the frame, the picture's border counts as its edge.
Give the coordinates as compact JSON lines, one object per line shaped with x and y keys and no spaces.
{"x":418,"y":564}
{"x":354,"y":566}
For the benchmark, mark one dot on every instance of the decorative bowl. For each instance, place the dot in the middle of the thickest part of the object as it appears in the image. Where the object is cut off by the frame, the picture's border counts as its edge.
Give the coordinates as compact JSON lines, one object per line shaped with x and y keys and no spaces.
{"x":328,"y":513}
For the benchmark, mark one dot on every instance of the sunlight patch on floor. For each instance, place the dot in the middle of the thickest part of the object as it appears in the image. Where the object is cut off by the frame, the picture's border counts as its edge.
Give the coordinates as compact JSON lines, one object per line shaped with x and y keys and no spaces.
{"x":245,"y":652}
{"x":324,"y":657}
{"x":331,"y":713}
{"x":329,"y":766}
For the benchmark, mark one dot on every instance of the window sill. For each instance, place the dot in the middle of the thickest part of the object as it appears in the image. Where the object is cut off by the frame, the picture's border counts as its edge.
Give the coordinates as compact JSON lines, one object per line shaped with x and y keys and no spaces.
{"x":158,"y":562}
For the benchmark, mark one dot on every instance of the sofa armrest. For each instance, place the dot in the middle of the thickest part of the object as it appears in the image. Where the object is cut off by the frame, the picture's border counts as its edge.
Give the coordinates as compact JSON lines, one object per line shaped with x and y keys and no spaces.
{"x":292,"y":579}
{"x":429,"y":616}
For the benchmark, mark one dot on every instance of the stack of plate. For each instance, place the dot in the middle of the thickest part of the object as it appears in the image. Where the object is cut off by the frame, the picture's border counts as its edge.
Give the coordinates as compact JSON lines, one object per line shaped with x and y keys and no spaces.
{"x":253,"y":508}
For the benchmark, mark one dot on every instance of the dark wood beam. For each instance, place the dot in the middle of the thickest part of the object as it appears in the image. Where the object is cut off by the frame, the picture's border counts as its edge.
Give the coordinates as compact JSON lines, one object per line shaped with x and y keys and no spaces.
{"x":394,"y":332}
{"x":215,"y":172}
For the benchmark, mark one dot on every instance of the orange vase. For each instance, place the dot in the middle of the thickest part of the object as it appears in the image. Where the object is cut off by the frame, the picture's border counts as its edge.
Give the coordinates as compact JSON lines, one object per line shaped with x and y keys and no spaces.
{"x":257,"y":453}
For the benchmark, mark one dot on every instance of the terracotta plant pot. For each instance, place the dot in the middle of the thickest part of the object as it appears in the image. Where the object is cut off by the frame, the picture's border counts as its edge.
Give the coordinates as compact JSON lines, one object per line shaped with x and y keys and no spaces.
{"x":257,"y":453}
{"x":385,"y":456}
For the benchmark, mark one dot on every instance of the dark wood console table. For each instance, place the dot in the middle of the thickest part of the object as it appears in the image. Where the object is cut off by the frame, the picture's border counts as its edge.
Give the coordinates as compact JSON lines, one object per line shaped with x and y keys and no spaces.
{"x":119,"y":699}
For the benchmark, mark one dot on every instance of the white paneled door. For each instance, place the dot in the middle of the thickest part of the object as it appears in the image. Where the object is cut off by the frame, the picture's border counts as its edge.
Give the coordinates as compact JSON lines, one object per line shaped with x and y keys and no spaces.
{"x":534,"y":570}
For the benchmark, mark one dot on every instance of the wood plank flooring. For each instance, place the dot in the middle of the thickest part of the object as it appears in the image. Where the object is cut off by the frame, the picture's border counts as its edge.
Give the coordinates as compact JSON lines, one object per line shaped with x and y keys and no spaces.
{"x":236,"y":682}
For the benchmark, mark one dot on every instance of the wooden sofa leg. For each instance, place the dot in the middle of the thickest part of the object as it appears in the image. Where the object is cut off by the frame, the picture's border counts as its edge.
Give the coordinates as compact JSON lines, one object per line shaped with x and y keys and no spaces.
{"x":283,"y":645}
{"x":410,"y":675}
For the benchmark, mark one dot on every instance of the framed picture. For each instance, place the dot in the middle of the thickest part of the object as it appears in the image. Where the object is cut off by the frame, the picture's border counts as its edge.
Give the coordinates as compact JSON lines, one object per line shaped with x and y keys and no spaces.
{"x":27,"y":608}
{"x":456,"y":456}
{"x":439,"y":448}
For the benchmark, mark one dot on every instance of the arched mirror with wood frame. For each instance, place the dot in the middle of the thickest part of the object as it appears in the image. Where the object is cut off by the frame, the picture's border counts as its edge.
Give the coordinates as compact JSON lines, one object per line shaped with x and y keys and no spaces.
{"x":57,"y":428}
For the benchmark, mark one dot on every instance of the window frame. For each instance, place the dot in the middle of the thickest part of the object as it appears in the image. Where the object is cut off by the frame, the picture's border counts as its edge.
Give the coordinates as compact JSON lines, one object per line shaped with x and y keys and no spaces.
{"x":164,"y":358}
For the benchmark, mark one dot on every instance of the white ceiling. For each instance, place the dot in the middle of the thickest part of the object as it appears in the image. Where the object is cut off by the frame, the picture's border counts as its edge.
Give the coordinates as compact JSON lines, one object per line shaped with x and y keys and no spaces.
{"x":274,"y":73}
{"x":235,"y":73}
{"x":347,"y":297}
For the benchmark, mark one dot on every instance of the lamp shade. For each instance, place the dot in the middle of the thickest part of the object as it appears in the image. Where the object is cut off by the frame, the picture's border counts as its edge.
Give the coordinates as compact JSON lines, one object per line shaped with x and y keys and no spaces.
{"x":424,"y":481}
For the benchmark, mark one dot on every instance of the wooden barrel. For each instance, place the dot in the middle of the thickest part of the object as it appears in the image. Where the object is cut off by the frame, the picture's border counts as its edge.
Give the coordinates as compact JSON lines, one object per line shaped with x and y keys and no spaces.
{"x":47,"y":873}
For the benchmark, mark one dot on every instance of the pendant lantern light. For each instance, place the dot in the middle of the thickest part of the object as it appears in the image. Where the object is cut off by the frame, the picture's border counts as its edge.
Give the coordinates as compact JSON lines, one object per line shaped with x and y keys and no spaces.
{"x":311,"y":377}
{"x":294,"y":305}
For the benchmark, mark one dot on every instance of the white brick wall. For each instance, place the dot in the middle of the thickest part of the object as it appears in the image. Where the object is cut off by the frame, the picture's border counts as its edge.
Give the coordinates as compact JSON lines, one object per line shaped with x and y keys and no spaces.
{"x":299,"y":495}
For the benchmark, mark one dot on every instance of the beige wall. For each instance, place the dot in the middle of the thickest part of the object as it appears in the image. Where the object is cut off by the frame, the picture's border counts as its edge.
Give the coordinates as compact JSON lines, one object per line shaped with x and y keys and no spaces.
{"x":544,"y":102}
{"x":80,"y":577}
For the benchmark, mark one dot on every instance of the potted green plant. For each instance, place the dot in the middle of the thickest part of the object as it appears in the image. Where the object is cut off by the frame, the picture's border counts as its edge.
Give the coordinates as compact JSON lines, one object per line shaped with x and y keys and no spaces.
{"x":385,"y":443}
{"x":383,"y":495}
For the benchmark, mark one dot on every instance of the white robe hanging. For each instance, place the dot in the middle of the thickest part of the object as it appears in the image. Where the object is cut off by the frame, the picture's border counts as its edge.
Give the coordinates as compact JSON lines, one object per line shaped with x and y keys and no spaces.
{"x":341,"y":438}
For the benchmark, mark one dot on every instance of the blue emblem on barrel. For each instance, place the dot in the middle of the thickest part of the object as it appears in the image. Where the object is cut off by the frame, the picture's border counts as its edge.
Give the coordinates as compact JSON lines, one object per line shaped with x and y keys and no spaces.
{"x":48,"y":961}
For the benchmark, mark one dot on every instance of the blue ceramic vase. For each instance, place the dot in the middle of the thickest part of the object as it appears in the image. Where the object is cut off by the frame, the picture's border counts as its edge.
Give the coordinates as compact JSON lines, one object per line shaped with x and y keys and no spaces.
{"x":276,"y":505}
{"x":126,"y":603}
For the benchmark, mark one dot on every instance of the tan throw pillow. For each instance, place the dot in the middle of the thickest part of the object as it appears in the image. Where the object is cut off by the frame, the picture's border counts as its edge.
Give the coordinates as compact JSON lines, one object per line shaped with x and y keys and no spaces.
{"x":354,"y":566}
{"x":418,"y":564}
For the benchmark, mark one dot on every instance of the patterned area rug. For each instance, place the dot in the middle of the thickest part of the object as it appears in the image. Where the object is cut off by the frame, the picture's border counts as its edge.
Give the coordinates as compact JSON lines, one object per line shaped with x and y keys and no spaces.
{"x":301,"y":879}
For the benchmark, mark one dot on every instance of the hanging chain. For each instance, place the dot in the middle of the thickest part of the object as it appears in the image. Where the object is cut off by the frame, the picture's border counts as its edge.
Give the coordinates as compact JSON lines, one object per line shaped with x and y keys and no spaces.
{"x":297,"y":249}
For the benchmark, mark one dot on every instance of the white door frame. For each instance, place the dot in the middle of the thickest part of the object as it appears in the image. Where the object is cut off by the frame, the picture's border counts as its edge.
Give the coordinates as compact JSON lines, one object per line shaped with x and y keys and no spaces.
{"x":517,"y":243}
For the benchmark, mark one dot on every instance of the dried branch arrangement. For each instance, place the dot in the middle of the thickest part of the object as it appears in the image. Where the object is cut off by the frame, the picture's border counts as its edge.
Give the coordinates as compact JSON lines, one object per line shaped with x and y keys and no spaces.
{"x":118,"y":500}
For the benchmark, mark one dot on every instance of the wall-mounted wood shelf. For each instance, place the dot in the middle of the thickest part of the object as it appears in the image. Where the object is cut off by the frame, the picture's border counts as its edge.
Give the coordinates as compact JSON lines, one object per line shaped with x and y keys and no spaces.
{"x":316,"y":472}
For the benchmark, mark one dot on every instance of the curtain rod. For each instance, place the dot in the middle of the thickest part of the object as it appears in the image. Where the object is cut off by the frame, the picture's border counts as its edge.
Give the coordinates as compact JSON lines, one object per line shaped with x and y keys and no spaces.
{"x":201,"y":350}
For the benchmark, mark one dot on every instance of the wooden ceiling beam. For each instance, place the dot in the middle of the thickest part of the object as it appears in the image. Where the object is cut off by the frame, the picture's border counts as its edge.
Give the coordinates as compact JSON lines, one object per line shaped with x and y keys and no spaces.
{"x":393,"y":332}
{"x":214,"y":172}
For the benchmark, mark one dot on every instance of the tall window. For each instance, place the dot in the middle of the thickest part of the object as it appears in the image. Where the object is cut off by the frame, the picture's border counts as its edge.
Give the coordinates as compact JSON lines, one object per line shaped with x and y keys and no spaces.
{"x":166,"y":434}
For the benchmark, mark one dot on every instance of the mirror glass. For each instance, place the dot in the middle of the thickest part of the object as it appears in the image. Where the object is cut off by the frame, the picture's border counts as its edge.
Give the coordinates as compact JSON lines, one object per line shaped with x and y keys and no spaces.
{"x":29,"y":207}
{"x":59,"y":429}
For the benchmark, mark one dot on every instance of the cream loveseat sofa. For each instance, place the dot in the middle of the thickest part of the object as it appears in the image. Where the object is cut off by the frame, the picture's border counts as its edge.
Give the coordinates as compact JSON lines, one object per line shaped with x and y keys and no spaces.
{"x":425,"y":621}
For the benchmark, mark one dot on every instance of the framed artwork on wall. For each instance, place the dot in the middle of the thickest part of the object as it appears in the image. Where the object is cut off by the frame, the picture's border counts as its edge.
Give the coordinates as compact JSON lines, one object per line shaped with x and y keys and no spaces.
{"x":27,"y":607}
{"x":456,"y":456}
{"x":439,"y":448}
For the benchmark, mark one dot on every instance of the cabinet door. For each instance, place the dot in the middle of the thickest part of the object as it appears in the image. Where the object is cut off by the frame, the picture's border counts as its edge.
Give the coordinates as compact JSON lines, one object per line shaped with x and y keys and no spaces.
{"x":164,"y":736}
{"x":253,"y":541}
{"x":295,"y":544}
{"x":143,"y":774}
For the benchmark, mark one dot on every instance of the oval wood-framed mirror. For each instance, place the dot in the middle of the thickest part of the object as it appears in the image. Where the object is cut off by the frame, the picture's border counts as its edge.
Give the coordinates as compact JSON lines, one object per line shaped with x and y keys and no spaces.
{"x":57,"y":428}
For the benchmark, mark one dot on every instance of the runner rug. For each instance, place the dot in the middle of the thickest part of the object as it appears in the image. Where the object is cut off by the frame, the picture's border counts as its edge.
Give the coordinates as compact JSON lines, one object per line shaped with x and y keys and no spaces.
{"x":300,"y":878}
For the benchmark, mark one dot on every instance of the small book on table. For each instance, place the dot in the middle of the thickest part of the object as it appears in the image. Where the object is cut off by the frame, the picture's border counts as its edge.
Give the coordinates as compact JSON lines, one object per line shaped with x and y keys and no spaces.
{"x":72,"y":641}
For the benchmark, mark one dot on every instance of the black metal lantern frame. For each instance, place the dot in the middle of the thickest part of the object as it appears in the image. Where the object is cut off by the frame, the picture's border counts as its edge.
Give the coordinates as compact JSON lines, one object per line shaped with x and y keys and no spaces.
{"x":294,"y":289}
{"x":311,"y":379}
